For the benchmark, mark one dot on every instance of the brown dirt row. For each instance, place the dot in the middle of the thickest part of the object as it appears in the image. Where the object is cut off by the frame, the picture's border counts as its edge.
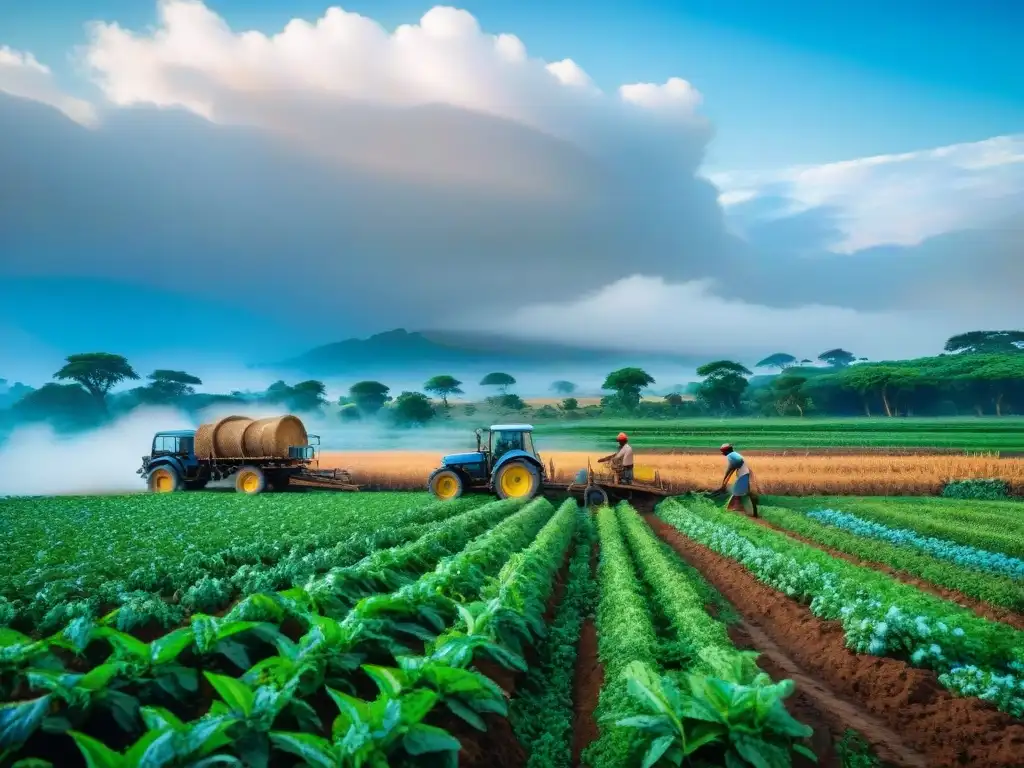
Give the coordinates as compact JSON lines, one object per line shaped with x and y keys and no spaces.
{"x":587,"y":681}
{"x":927,"y":720}
{"x":783,"y":475}
{"x":980,"y":607}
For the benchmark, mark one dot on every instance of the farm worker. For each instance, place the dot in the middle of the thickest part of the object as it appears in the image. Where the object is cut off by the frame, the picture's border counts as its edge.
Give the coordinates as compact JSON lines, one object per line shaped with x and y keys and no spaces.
{"x":734,"y":463}
{"x":622,"y":460}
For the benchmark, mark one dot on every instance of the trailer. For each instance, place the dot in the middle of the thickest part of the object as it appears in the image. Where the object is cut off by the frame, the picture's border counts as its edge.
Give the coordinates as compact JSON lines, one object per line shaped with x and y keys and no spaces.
{"x":274,"y":454}
{"x":597,"y":489}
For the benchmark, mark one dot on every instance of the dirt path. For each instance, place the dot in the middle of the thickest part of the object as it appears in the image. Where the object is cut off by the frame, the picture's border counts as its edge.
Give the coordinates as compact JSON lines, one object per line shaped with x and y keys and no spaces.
{"x":980,"y":607}
{"x":587,"y":682}
{"x":888,"y":697}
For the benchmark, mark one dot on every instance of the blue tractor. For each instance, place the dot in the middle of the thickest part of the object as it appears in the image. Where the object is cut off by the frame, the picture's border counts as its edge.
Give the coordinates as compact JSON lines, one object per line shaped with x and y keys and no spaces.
{"x":505,"y":462}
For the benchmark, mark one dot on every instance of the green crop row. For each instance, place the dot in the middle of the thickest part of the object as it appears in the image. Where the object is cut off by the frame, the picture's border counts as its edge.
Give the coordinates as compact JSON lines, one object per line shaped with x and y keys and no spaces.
{"x":996,"y":526}
{"x":992,"y":588}
{"x":164,"y":590}
{"x":542,"y":712}
{"x":275,"y":692}
{"x":879,"y":615}
{"x":717,"y":706}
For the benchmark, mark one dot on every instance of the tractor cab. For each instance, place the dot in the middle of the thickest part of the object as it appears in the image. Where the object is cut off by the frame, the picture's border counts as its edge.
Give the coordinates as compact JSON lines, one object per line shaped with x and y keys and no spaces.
{"x":505,"y":462}
{"x":179,"y":442}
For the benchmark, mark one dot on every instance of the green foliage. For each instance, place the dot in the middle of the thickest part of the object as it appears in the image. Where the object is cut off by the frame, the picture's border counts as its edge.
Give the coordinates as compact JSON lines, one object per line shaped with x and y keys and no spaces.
{"x":443,"y":386}
{"x":98,"y":372}
{"x":498,"y":379}
{"x":779,"y":360}
{"x":563,"y":387}
{"x":855,"y":752}
{"x":991,"y":490}
{"x":369,"y":396}
{"x":994,"y":589}
{"x":166,"y":386}
{"x":411,"y":409}
{"x":723,"y":385}
{"x":66,"y":406}
{"x":628,"y":383}
{"x":570,"y":404}
{"x":837,"y":358}
{"x":986,"y":342}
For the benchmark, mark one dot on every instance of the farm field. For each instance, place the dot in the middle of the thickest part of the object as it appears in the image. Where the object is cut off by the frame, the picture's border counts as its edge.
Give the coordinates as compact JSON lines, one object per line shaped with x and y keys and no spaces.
{"x":389,"y":629}
{"x":796,"y":475}
{"x":928,"y":435}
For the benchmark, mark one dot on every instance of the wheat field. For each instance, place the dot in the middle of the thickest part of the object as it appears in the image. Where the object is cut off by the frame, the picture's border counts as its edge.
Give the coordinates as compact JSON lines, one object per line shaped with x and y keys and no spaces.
{"x":778,"y":475}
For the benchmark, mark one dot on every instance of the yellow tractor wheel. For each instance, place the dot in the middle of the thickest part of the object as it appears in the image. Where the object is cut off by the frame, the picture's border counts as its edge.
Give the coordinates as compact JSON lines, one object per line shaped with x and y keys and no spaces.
{"x":164,"y":480}
{"x":250,"y":481}
{"x":445,"y":485}
{"x":517,"y":480}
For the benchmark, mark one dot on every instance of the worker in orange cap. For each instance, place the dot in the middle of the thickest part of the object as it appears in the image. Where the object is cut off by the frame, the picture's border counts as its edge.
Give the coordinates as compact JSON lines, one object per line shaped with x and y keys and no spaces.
{"x":622,"y":460}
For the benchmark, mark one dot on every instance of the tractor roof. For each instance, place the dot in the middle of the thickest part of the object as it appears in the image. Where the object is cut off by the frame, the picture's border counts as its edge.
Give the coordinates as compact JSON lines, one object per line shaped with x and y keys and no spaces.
{"x":512,"y":428}
{"x":176,"y":433}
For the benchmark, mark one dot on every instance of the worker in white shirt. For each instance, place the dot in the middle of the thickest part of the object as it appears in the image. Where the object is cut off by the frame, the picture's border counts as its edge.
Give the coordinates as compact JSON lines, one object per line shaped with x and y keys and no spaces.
{"x":736,"y":464}
{"x":622,"y":460}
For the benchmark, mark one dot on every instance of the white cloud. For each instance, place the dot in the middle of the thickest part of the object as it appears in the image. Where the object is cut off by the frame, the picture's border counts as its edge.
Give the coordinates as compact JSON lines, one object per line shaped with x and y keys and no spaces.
{"x":900,"y":199}
{"x":22,"y":75}
{"x":193,"y":59}
{"x":649,"y":314}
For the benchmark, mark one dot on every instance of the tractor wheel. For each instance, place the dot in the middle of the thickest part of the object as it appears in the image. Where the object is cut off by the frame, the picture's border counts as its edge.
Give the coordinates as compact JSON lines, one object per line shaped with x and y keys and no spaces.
{"x":164,"y":480}
{"x":445,"y":485}
{"x":517,"y":480}
{"x":250,"y":481}
{"x":595,"y":496}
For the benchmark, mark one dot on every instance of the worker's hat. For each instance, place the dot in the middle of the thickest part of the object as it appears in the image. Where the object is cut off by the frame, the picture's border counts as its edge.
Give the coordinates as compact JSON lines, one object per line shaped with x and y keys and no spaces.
{"x":726,"y":448}
{"x":622,"y":437}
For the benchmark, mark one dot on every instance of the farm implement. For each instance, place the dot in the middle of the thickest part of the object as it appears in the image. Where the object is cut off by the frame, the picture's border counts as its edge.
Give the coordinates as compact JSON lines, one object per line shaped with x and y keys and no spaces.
{"x":273,"y":454}
{"x":507,"y":464}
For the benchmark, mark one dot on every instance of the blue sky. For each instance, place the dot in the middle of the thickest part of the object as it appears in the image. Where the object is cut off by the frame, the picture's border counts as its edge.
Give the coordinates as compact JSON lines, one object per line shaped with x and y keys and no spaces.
{"x":785,"y":82}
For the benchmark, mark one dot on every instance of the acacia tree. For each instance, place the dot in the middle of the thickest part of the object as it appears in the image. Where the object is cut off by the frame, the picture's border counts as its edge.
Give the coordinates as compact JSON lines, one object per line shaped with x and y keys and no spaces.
{"x":724,"y":384}
{"x":563,"y":387}
{"x":166,"y":386}
{"x":779,"y":360}
{"x":837,"y":358}
{"x":986,"y":342}
{"x":443,"y":386}
{"x":498,"y":379}
{"x":307,"y":395}
{"x":788,"y":393}
{"x":369,"y":396}
{"x":627,"y":383}
{"x":98,"y":372}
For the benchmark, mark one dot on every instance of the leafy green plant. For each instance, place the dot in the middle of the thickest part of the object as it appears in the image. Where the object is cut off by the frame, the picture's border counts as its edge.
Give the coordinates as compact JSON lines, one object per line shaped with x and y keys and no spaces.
{"x":991,"y":489}
{"x":746,"y":721}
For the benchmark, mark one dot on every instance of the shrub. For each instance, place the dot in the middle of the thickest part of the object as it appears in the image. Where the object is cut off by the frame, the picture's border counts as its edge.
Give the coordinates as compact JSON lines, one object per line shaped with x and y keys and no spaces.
{"x":992,"y":489}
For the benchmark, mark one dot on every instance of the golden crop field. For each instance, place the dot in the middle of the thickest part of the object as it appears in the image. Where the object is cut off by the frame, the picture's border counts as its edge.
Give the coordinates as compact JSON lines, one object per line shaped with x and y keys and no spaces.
{"x":863,"y":475}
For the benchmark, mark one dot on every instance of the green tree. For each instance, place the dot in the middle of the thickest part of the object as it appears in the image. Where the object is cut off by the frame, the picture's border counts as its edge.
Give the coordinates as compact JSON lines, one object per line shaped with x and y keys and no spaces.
{"x":166,"y":386}
{"x":628,"y":383}
{"x":837,"y":358}
{"x":498,"y":379}
{"x":724,"y":384}
{"x":66,"y":406}
{"x":307,"y":396}
{"x":986,"y":342}
{"x":369,"y":396}
{"x":788,"y":394}
{"x":674,"y":399}
{"x":570,"y":404}
{"x":412,"y":408}
{"x":779,"y":360}
{"x":563,"y":387}
{"x":443,"y":386}
{"x":98,"y":372}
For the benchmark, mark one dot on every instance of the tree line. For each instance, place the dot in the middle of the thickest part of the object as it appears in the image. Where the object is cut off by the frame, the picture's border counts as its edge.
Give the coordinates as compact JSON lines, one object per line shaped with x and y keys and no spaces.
{"x":979,"y":372}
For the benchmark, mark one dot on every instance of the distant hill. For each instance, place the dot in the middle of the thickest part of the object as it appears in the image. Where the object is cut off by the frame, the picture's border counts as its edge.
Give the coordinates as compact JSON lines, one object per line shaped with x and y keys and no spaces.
{"x":401,"y":349}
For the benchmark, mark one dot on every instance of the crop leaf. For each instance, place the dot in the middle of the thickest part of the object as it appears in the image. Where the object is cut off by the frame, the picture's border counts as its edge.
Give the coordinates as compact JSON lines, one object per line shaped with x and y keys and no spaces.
{"x":97,"y":754}
{"x":19,"y":720}
{"x":236,"y":694}
{"x":315,"y":750}
{"x":422,"y":739}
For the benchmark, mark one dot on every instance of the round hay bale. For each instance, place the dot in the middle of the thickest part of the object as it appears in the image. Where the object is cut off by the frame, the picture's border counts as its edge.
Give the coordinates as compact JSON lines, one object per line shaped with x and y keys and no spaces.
{"x":212,"y":442}
{"x":276,"y":435}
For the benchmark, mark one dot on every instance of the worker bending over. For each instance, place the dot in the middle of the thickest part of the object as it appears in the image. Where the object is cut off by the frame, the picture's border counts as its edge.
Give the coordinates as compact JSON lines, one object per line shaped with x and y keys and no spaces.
{"x":736,"y":464}
{"x":622,"y":460}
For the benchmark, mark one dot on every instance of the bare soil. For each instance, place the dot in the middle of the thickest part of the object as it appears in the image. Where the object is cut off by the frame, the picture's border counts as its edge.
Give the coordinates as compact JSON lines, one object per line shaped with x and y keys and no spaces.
{"x":903,"y":712}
